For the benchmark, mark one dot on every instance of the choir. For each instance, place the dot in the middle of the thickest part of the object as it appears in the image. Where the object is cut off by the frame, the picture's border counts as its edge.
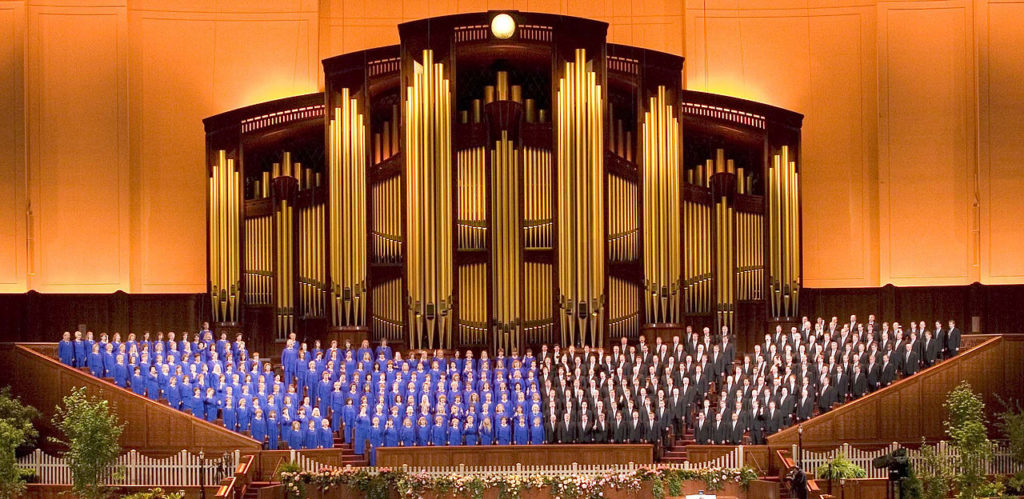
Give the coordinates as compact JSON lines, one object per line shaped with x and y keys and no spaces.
{"x":634,"y":392}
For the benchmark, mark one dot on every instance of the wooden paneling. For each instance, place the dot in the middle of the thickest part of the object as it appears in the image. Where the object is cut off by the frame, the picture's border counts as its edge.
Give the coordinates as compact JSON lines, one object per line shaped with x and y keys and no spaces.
{"x":926,"y":142}
{"x":151,"y":427}
{"x":997,"y":307}
{"x":76,"y":89}
{"x":13,"y":242}
{"x":911,"y":409}
{"x":44,"y":317}
{"x":510,"y":455}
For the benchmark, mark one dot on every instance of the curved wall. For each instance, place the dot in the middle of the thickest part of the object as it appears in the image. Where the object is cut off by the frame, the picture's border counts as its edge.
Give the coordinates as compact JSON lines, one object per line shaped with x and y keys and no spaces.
{"x":912,"y":118}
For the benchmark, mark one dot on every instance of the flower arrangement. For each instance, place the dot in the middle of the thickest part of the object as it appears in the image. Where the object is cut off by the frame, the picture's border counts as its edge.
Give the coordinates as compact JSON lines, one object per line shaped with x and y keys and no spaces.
{"x":375,"y":483}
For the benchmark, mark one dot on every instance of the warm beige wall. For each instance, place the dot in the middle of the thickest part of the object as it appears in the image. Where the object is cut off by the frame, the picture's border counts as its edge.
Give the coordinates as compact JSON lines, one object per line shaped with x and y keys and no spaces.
{"x":913,"y":111}
{"x":913,"y":138}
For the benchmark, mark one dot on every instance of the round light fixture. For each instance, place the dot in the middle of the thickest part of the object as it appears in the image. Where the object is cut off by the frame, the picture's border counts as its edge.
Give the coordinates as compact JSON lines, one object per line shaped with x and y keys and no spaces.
{"x":503,"y":26}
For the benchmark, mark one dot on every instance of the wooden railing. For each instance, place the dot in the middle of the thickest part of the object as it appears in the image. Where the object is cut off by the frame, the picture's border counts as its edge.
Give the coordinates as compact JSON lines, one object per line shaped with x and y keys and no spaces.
{"x":911,"y":408}
{"x":235,"y":486}
{"x":152,"y":427}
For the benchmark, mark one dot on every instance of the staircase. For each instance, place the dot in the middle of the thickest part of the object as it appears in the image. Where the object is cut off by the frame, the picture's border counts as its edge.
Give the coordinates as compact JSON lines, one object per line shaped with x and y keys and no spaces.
{"x":675,"y":452}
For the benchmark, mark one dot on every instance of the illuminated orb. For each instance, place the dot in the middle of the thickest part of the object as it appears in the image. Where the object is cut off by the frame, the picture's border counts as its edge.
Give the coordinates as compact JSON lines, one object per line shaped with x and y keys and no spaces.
{"x":503,"y":26}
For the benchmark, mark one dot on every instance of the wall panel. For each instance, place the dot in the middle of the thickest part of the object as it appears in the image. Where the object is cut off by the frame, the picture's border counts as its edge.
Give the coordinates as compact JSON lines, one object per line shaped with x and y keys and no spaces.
{"x":1001,"y":69}
{"x":925,"y":143}
{"x":12,"y":142}
{"x":78,"y":157}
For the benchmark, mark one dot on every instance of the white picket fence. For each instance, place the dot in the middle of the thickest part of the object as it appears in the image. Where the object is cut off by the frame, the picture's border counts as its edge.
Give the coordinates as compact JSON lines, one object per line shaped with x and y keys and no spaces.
{"x":1001,"y":462}
{"x":733,"y":459}
{"x":183,"y":469}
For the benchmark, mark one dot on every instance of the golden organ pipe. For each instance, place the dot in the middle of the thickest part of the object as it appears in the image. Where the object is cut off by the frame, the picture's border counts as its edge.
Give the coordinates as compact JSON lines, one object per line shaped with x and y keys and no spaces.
{"x":428,"y":173}
{"x":347,"y":202}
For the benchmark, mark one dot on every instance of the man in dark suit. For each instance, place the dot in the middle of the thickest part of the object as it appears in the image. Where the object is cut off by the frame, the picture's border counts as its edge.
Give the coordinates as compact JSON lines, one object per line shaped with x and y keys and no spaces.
{"x":930,"y":348}
{"x":772,"y":419}
{"x":551,"y":430}
{"x":858,"y":383}
{"x":888,"y":371}
{"x":637,"y":430}
{"x":940,"y":338}
{"x":599,"y":432}
{"x":584,"y":431}
{"x":720,"y":430}
{"x":618,"y":430}
{"x":702,"y":430}
{"x":736,"y":430}
{"x":953,"y":340}
{"x":827,"y":397}
{"x":841,"y":384}
{"x":805,"y":407}
{"x":873,"y":373}
{"x":910,"y":360}
{"x":568,"y":432}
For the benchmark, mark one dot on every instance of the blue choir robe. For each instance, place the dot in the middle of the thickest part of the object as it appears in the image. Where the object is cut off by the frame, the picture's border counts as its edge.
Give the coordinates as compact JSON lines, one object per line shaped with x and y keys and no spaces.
{"x":521,"y":434}
{"x":439,"y":434}
{"x":66,"y":352}
{"x":273,"y":434}
{"x":195,"y":404}
{"x":406,"y":436}
{"x":210,"y":408}
{"x":376,"y":439}
{"x":537,"y":434}
{"x":121,"y":375}
{"x":153,"y":387}
{"x":454,"y":435}
{"x":422,"y":435}
{"x":81,"y":354}
{"x":323,"y":393}
{"x":96,"y":364}
{"x":348,"y":417}
{"x":361,"y":434}
{"x":108,"y":363}
{"x":230,"y":417}
{"x":139,"y":385}
{"x":337,"y":406}
{"x":244,"y":417}
{"x":174,"y":398}
{"x":259,"y":429}
{"x":504,"y":434}
{"x":325,"y":438}
{"x":486,"y":435}
{"x":294,"y":438}
{"x":310,"y":439}
{"x":390,"y":437}
{"x":470,"y":435}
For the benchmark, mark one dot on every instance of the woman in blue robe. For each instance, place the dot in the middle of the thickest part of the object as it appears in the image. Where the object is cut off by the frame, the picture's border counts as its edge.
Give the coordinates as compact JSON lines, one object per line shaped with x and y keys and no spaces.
{"x":422,"y":432}
{"x":294,"y":436}
{"x":438,"y":432}
{"x":121,"y":372}
{"x":348,"y":418}
{"x":537,"y":431}
{"x":66,"y":350}
{"x":376,"y":439}
{"x":195,"y":403}
{"x":406,"y":434}
{"x":325,"y":437}
{"x":504,"y":432}
{"x":486,"y":432}
{"x":243,"y":414}
{"x":521,"y":432}
{"x":210,"y":404}
{"x":390,"y":435}
{"x":259,"y":427}
{"x":228,"y":413}
{"x":95,"y":361}
{"x":455,"y":432}
{"x":310,"y":438}
{"x":337,"y":405}
{"x":469,"y":431}
{"x":153,"y":384}
{"x":173,"y":394}
{"x":273,"y":431}
{"x":361,"y":432}
{"x":139,"y":383}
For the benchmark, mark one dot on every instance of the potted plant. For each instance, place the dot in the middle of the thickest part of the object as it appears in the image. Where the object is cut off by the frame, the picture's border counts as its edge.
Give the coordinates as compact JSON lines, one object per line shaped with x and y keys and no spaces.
{"x":839,"y":468}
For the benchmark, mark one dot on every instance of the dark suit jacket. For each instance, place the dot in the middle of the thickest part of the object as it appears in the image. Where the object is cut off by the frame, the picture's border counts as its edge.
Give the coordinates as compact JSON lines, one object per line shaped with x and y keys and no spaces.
{"x":953,"y":341}
{"x":599,"y":433}
{"x":567,"y":435}
{"x":931,"y":351}
{"x":736,"y":433}
{"x":703,"y":434}
{"x":805,"y":410}
{"x":888,"y":374}
{"x":910,"y":363}
{"x":859,"y":386}
{"x":827,"y":398}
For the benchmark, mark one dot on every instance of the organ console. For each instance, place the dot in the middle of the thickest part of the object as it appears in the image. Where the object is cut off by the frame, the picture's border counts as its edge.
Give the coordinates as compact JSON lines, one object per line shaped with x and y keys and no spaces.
{"x":464,"y":190}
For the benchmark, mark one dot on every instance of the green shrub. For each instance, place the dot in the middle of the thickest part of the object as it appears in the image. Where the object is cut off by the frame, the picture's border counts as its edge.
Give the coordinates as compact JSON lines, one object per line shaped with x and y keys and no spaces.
{"x":839,"y":468}
{"x":91,"y":433}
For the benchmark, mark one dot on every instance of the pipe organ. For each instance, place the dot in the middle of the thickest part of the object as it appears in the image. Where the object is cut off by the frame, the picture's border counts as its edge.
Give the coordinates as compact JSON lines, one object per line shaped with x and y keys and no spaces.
{"x":461,"y":190}
{"x":428,"y":204}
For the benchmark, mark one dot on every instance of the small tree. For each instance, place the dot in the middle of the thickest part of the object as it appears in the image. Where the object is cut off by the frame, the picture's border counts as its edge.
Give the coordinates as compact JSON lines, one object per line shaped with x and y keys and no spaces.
{"x":11,"y":483}
{"x":965,"y":425}
{"x":1011,"y":423}
{"x":19,"y":416}
{"x":91,"y":432}
{"x":934,"y":473}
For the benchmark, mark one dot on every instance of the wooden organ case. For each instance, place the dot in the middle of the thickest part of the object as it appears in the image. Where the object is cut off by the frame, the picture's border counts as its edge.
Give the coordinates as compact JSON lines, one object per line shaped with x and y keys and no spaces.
{"x":475,"y":188}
